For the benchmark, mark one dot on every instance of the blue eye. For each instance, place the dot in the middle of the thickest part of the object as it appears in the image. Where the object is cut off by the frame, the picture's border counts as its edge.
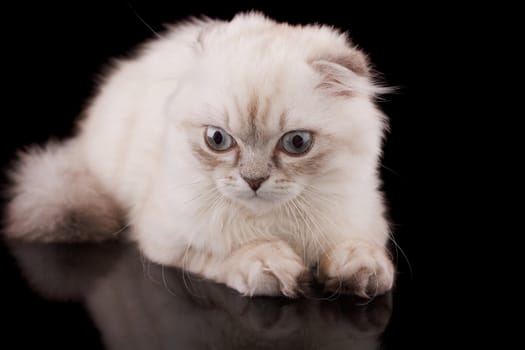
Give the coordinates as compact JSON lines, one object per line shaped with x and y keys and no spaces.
{"x":218,"y":139}
{"x":296,"y":142}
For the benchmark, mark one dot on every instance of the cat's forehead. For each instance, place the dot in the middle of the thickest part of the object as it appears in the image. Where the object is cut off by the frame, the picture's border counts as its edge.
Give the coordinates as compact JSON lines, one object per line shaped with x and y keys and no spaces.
{"x":256,"y":112}
{"x":257,"y":107}
{"x":257,"y":118}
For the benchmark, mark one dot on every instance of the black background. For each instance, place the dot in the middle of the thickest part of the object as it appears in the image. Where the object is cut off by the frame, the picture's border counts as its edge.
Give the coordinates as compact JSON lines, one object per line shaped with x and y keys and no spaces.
{"x":54,"y":53}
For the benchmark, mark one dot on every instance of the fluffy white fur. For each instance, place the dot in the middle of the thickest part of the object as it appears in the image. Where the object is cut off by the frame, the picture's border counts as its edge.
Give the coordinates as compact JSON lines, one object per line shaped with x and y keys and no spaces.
{"x":140,"y":151}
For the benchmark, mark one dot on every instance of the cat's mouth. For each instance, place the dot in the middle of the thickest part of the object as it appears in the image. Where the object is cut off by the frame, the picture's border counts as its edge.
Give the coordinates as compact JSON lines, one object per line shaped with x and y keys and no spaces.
{"x":261,"y":202}
{"x":260,"y":196}
{"x":257,"y":197}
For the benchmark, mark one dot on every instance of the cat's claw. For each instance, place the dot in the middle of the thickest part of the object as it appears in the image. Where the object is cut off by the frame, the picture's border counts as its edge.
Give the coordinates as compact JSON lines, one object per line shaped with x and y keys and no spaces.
{"x":357,"y":268}
{"x":265,"y":268}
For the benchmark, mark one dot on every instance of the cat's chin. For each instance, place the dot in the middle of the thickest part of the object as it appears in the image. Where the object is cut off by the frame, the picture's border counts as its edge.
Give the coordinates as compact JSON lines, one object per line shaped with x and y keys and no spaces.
{"x":259,"y":205}
{"x":262,"y":203}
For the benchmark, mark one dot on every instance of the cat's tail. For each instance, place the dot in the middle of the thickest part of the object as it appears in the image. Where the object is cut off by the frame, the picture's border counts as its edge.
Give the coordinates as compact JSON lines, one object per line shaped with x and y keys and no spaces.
{"x":52,"y":196}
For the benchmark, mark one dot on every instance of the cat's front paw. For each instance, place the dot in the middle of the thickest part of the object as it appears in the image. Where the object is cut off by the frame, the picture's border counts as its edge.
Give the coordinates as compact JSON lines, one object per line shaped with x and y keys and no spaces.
{"x":265,"y":268}
{"x":357,"y":268}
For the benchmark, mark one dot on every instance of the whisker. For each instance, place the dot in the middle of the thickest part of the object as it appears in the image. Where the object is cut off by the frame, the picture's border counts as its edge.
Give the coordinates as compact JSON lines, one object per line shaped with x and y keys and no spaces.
{"x":120,"y":230}
{"x":208,"y":192}
{"x":308,"y":225}
{"x":147,"y":271}
{"x":316,"y":215}
{"x":142,"y":20}
{"x":165,"y":282}
{"x":398,"y":248}
{"x":215,"y":200}
{"x":297,"y":231}
{"x":389,"y":169}
{"x":335,"y":294}
{"x":173,"y":186}
{"x":186,"y":277}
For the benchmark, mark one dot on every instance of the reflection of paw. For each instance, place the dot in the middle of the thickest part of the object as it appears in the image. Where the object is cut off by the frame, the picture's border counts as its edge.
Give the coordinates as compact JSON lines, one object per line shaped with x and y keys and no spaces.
{"x":265,"y":268}
{"x":373,"y":317}
{"x":350,"y":317}
{"x":357,"y":268}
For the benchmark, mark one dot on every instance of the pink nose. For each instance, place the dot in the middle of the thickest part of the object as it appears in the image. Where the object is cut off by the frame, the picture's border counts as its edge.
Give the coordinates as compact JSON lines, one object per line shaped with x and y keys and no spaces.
{"x":255,"y":183}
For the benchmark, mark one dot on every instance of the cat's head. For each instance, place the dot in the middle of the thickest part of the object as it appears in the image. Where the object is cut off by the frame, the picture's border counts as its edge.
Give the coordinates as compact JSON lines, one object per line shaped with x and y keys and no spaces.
{"x":275,"y":113}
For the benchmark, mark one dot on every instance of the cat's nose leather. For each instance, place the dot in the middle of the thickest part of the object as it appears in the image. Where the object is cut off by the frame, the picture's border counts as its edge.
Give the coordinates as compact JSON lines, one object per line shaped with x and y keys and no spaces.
{"x":255,"y":183}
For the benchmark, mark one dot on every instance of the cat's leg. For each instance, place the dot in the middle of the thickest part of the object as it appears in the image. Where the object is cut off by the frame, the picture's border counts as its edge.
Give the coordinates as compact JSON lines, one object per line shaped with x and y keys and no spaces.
{"x":257,"y":268}
{"x":263,"y":268}
{"x":355,"y":258}
{"x":357,"y":266}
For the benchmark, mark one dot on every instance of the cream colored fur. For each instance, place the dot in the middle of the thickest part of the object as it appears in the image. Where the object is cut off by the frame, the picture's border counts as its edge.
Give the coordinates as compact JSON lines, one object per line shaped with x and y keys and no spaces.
{"x":141,"y":148}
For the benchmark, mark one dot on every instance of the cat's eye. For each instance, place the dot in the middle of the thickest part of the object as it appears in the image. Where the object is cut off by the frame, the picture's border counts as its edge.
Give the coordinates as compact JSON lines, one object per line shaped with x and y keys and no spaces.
{"x":296,"y":142}
{"x":218,"y":139}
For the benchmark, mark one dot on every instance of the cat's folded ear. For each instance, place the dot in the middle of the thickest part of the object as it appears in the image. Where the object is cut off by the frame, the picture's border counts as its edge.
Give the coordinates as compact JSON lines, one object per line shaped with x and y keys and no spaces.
{"x":353,"y":60}
{"x":345,"y":74}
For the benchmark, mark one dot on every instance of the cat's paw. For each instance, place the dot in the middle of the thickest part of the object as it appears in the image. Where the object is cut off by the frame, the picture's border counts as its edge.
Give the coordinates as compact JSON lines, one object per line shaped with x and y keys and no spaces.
{"x":357,"y":268}
{"x":265,"y":268}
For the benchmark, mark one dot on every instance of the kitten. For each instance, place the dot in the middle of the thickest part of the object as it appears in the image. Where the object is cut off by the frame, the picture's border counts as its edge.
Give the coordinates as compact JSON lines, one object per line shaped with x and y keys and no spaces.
{"x":243,"y":151}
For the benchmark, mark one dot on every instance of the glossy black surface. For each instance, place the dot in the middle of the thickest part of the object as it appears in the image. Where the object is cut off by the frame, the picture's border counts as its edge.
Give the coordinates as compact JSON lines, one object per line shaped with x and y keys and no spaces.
{"x":121,"y":301}
{"x":107,"y":296}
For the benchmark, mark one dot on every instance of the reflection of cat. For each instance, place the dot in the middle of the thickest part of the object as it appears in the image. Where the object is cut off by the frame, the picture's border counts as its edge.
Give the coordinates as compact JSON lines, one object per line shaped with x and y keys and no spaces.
{"x":138,"y":306}
{"x":244,"y":151}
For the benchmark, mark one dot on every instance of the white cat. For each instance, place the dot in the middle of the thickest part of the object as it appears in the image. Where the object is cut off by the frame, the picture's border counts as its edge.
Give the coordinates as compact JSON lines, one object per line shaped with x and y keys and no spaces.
{"x":244,"y":151}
